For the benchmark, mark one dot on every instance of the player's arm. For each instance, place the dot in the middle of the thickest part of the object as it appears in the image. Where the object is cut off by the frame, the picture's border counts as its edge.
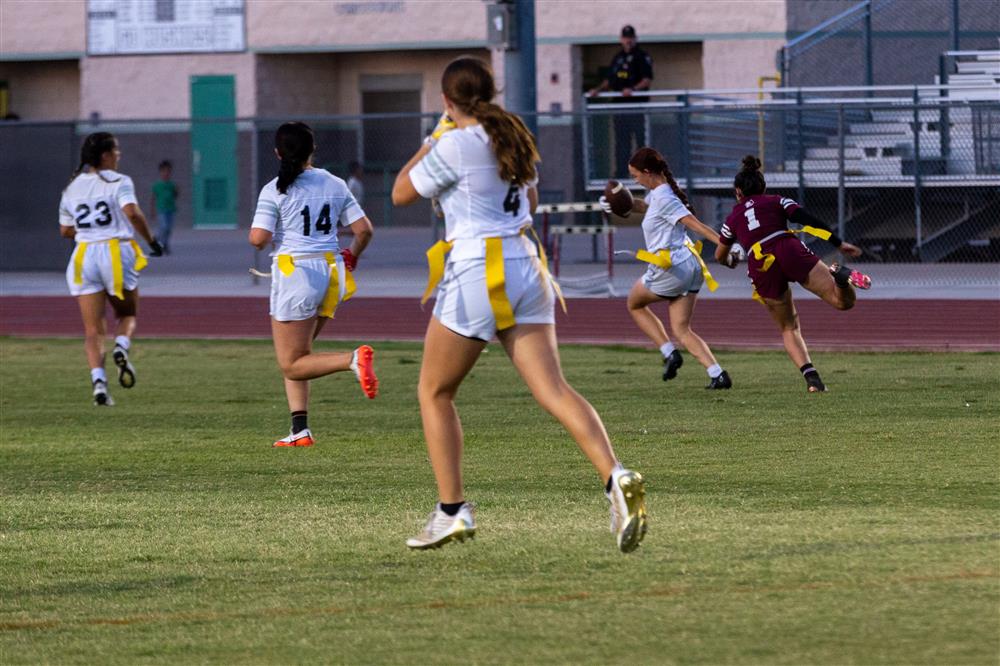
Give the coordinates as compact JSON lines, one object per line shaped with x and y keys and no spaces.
{"x":67,"y":225}
{"x":363,"y":231}
{"x":265,"y":218}
{"x":403,"y":191}
{"x":700,"y":228}
{"x":260,"y":238}
{"x":800,"y":216}
{"x":532,"y":199}
{"x":138,"y":220}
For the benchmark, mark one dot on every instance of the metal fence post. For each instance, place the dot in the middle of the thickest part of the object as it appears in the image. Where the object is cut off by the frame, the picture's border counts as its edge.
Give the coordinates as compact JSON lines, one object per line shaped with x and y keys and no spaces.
{"x":683,"y":127}
{"x":800,"y":157}
{"x":585,"y":141}
{"x":867,"y":36}
{"x":841,"y":213}
{"x":954,"y":36}
{"x":917,"y":212}
{"x":944,"y":62}
{"x":254,"y":181}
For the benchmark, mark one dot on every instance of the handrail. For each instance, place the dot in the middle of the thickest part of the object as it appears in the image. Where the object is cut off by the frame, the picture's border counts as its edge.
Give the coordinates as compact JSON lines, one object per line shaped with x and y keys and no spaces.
{"x":792,"y":91}
{"x":995,"y":52}
{"x":827,"y":23}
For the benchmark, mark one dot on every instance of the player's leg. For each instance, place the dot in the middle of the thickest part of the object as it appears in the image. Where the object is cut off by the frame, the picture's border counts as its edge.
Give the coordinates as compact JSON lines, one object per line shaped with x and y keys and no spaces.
{"x":125,"y":310}
{"x":448,"y":358}
{"x":533,"y":350}
{"x":784,"y":314}
{"x":293,"y":347}
{"x":839,"y":294}
{"x":639,"y":300}
{"x":92,"y":314}
{"x":681,"y":309}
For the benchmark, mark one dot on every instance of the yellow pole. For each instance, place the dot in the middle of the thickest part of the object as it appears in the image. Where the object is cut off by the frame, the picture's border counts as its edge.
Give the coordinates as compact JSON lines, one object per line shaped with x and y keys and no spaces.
{"x":760,"y":113}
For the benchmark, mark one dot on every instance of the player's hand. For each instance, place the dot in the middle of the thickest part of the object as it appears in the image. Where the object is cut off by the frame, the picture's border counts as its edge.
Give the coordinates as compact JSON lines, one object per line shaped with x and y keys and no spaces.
{"x":604,"y":204}
{"x":444,"y":124}
{"x":735,"y":255}
{"x":350,"y":261}
{"x":155,"y":249}
{"x":850,"y":250}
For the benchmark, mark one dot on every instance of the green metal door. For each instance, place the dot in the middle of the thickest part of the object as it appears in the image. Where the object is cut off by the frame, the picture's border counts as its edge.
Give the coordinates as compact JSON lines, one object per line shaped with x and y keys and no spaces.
{"x":213,"y":152}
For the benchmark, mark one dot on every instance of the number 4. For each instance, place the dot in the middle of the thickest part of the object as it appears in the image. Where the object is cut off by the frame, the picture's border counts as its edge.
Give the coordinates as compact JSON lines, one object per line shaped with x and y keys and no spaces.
{"x":512,"y":202}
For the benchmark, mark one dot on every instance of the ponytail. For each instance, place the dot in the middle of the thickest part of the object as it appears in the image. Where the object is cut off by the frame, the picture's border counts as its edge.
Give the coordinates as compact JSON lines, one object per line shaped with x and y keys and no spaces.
{"x":750,"y":180}
{"x":92,"y":151}
{"x":648,"y":159}
{"x":295,"y":144}
{"x":513,"y":144}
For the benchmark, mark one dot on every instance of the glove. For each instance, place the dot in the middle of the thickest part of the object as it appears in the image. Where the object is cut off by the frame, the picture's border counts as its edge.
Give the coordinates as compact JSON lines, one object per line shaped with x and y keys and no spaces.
{"x":350,"y":261}
{"x":444,"y":124}
{"x":155,"y":249}
{"x":605,"y":206}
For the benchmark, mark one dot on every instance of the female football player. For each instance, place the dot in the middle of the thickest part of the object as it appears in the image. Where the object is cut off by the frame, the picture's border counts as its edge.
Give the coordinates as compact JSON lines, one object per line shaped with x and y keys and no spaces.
{"x":775,"y":257}
{"x":300,"y":211}
{"x":495,"y":281}
{"x":676,"y":271}
{"x":99,"y":211}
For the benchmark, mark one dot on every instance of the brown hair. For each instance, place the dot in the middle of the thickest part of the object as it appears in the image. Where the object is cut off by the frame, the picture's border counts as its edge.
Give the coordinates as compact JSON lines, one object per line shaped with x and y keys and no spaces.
{"x":750,"y":180}
{"x":647,"y":159}
{"x":468,"y":83}
{"x":91,"y":152}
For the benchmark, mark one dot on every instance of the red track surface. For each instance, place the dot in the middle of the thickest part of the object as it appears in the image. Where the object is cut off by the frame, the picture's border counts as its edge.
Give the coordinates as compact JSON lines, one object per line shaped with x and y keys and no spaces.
{"x":871,"y":325}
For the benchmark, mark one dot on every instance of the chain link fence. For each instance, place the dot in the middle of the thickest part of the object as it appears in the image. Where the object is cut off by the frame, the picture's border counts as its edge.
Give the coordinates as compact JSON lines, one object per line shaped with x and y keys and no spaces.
{"x":912,"y":175}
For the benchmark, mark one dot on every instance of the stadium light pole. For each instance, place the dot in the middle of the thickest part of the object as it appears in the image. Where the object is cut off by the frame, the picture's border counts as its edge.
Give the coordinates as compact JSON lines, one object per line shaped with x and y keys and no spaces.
{"x":520,"y":81}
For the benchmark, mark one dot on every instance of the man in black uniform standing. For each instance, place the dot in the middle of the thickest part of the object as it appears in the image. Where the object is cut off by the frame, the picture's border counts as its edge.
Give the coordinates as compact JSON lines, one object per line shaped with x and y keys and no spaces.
{"x":631,"y":71}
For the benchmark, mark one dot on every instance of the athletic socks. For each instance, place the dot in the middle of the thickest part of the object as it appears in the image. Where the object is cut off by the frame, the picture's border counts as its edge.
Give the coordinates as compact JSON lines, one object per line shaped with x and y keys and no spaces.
{"x":807,"y":368}
{"x":98,"y":375}
{"x":714,"y":371}
{"x":299,"y":422}
{"x":667,"y":348}
{"x":451,"y":509}
{"x":354,"y":367}
{"x":123,"y":342}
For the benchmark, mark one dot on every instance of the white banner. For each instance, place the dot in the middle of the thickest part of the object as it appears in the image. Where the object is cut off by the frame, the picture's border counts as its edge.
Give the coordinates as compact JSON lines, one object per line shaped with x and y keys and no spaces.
{"x":165,"y":26}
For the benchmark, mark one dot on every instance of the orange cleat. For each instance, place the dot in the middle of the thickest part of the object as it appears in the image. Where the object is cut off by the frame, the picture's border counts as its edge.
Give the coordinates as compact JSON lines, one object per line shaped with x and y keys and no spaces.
{"x":363,"y":365}
{"x":301,"y":438}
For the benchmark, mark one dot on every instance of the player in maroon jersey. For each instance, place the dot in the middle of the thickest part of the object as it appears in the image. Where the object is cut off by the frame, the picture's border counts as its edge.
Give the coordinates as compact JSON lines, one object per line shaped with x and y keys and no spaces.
{"x":776,"y":256}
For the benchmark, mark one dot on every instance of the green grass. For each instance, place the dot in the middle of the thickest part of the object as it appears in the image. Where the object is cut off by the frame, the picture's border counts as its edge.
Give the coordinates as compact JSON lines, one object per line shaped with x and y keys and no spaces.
{"x":860,"y":526}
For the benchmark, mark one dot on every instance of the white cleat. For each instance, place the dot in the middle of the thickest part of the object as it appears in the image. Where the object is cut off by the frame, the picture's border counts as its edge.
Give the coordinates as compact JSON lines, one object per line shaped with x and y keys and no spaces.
{"x":628,"y":508}
{"x":442,"y":528}
{"x":101,"y":396}
{"x":126,"y":373}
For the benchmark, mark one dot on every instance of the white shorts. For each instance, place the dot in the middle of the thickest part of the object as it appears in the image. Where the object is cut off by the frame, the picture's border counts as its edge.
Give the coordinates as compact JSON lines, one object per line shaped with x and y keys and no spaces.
{"x":463,"y":301}
{"x":682,"y":278}
{"x":299,"y":296}
{"x":97,"y":275}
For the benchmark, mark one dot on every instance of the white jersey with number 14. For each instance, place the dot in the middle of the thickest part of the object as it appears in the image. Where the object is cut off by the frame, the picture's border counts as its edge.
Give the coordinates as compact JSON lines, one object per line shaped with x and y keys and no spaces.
{"x":304,"y":220}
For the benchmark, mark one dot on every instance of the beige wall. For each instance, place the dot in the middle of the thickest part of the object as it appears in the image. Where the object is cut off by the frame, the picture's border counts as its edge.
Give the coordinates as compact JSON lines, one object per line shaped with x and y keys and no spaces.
{"x":42,"y":26}
{"x":308,"y":23}
{"x":48,"y":90}
{"x":737,"y":64}
{"x":126,"y":87}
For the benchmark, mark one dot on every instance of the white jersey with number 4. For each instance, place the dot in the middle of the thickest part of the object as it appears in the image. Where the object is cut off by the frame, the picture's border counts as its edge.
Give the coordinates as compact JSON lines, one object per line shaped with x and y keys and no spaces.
{"x":93,"y":204}
{"x":461,"y":170}
{"x":304,"y":220}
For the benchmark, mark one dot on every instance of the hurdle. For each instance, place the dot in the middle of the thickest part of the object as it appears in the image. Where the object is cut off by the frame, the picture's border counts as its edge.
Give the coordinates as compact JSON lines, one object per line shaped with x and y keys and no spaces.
{"x":552,"y":233}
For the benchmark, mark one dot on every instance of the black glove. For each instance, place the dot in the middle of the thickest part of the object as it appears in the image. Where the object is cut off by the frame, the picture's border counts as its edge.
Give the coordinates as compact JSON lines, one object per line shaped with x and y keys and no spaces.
{"x":155,"y":249}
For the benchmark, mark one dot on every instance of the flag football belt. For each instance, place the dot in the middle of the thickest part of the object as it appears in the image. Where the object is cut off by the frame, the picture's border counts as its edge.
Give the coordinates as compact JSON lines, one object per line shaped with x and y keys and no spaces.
{"x":768,"y":258}
{"x":496,"y":285}
{"x":341,"y":286}
{"x":115,"y":248}
{"x":663,"y":259}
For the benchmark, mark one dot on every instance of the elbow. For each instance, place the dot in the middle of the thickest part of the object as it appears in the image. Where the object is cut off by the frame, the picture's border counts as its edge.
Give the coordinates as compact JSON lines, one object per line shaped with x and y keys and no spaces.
{"x":397,"y":197}
{"x":257,"y":239}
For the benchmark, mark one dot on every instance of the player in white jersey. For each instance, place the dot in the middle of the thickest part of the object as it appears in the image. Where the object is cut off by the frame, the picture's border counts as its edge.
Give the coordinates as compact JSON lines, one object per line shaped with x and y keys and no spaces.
{"x":99,"y":211}
{"x":676,"y":271}
{"x":495,"y":282}
{"x":300,"y":212}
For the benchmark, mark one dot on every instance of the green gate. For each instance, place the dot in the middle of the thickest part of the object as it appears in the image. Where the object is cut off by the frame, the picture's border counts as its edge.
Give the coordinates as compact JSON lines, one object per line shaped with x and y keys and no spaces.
{"x":213,"y":152}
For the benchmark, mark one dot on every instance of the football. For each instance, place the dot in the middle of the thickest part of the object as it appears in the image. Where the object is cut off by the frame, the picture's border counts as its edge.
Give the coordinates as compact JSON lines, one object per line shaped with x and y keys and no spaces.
{"x":735,"y":256}
{"x":619,"y":197}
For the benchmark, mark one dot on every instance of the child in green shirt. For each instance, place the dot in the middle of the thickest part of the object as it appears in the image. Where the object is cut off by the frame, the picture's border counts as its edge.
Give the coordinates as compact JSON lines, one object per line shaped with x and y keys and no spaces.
{"x":165,"y":194}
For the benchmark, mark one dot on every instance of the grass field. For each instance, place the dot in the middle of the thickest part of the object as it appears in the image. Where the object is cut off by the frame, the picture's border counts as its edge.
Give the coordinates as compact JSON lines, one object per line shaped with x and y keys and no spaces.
{"x":860,"y":526}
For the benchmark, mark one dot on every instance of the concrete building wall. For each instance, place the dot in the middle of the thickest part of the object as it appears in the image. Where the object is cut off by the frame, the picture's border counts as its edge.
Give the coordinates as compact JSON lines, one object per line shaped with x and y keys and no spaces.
{"x":159,"y":86}
{"x":43,"y":90}
{"x":29,"y":28}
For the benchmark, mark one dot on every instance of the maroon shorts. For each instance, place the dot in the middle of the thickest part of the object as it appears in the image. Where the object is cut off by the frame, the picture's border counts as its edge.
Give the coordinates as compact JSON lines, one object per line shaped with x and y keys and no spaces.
{"x":792,"y":263}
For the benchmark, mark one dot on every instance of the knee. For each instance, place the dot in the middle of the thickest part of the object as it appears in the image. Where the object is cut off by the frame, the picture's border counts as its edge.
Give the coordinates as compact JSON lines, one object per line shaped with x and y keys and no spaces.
{"x":680,"y":331}
{"x":430,"y":392}
{"x":792,"y":325}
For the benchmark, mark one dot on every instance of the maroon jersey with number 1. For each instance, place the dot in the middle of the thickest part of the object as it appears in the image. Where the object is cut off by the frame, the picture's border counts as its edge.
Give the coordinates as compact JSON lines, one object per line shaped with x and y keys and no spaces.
{"x":764,"y":217}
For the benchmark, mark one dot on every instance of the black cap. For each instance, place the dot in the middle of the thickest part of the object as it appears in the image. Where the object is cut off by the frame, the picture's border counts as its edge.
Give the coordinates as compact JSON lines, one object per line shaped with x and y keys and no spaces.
{"x":628,"y":31}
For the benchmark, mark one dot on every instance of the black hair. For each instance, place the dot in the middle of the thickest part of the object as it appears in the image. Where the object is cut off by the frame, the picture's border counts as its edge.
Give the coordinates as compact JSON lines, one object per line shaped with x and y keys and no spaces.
{"x":165,"y":164}
{"x":750,"y":180}
{"x":92,"y":150}
{"x":353,"y":166}
{"x":649,"y":159}
{"x":295,"y":144}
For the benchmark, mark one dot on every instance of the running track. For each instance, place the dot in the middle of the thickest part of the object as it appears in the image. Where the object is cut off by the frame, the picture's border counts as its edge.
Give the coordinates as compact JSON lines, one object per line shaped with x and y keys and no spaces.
{"x":935,"y":325}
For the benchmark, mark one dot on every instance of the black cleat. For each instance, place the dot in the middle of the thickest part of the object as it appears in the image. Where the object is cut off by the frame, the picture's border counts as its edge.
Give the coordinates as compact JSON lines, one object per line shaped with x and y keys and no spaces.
{"x":813,"y":383}
{"x":672,"y":364}
{"x":721,"y":382}
{"x":126,"y":373}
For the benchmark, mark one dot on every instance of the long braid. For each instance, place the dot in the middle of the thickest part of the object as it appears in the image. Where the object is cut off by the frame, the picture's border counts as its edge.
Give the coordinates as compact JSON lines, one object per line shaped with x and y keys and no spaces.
{"x":678,"y":192}
{"x":513,"y":144}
